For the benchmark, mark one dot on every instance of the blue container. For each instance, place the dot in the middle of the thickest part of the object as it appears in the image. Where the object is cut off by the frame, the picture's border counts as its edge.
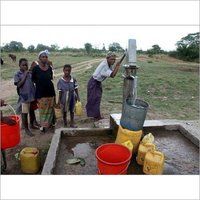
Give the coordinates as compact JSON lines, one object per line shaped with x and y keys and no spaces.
{"x":133,"y":115}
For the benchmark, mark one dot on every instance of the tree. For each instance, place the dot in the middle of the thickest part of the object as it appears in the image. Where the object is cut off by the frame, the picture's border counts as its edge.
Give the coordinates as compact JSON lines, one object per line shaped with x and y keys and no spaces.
{"x":13,"y":46}
{"x":188,"y":47}
{"x":115,"y":47}
{"x":88,"y":48}
{"x":31,"y":48}
{"x":41,"y":47}
{"x":104,"y":48}
{"x":54,"y":47}
{"x":154,"y":50}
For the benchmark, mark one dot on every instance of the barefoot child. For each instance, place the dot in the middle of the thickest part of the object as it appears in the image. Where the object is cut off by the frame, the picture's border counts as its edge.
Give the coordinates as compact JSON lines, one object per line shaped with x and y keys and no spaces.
{"x":68,"y":94}
{"x":26,"y":92}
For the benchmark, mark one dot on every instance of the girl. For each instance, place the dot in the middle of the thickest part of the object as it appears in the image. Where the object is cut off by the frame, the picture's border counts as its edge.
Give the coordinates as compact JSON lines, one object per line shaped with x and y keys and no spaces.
{"x":68,"y":94}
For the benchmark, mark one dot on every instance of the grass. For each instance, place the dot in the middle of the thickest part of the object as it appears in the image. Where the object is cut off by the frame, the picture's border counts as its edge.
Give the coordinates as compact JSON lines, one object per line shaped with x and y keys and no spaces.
{"x":58,"y":59}
{"x":170,"y":86}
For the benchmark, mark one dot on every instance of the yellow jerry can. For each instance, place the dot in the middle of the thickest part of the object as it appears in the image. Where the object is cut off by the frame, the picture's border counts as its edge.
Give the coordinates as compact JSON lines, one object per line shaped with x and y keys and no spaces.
{"x":153,"y":163}
{"x":124,"y":134}
{"x":30,"y":160}
{"x":128,"y":144}
{"x":142,"y":150}
{"x":78,"y":108}
{"x":58,"y":113}
{"x":149,"y":138}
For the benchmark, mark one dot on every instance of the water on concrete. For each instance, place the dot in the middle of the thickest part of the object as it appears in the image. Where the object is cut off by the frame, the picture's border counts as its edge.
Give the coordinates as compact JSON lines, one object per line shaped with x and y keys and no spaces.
{"x":181,"y":155}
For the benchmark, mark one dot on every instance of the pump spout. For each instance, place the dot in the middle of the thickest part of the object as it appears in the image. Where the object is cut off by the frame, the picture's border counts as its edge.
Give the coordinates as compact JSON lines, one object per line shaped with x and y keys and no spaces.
{"x":133,"y":110}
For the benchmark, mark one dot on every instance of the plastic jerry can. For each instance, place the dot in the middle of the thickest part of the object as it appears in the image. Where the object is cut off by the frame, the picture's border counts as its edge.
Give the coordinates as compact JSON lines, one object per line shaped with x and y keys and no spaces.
{"x":153,"y":163}
{"x":30,"y":161}
{"x":142,"y":150}
{"x":78,"y":108}
{"x":128,"y":144}
{"x":124,"y":134}
{"x":58,"y":113}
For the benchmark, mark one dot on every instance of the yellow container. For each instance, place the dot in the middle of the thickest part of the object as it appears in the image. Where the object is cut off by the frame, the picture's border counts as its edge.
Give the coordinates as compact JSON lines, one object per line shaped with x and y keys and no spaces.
{"x":149,"y":138}
{"x":58,"y":113}
{"x":153,"y":163}
{"x":128,"y":144}
{"x":124,"y":134}
{"x":30,"y":161}
{"x":142,"y":150}
{"x":78,"y":108}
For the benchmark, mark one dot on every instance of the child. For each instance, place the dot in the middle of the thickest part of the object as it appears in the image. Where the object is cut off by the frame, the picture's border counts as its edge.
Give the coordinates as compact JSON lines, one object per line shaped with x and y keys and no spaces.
{"x":26,"y":92}
{"x":68,"y":94}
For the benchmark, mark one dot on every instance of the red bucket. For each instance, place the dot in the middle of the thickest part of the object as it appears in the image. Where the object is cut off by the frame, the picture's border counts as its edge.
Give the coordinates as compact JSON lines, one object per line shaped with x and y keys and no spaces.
{"x":113,"y":159}
{"x":10,"y":135}
{"x":124,"y":172}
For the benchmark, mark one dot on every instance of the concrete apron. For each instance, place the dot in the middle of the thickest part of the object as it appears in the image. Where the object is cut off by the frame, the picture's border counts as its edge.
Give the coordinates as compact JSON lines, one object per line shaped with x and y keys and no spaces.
{"x":172,"y":130}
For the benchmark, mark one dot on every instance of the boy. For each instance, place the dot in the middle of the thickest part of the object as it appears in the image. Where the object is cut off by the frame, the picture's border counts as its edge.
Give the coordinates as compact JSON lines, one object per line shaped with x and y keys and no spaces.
{"x":68,"y":94}
{"x":26,"y":92}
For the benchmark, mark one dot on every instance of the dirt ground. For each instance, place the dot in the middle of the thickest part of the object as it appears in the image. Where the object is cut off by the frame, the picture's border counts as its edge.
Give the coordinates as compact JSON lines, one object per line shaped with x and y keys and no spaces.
{"x":40,"y":141}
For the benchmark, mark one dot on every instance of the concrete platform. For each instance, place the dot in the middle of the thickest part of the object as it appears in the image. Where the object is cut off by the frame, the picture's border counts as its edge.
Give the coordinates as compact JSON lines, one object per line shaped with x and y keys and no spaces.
{"x":182,"y":153}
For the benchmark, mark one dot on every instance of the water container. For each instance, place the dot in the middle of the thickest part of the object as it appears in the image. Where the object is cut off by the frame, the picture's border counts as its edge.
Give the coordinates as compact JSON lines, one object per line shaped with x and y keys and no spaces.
{"x":128,"y":144}
{"x":30,"y":160}
{"x":10,"y":135}
{"x":78,"y":108}
{"x":153,"y":163}
{"x":124,"y":135}
{"x":58,"y":113}
{"x":112,"y":159}
{"x":133,"y":115}
{"x":142,"y":150}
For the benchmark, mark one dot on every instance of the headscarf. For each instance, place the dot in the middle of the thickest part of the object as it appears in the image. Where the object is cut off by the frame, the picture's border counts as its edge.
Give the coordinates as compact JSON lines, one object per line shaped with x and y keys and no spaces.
{"x":45,"y":52}
{"x":110,"y":54}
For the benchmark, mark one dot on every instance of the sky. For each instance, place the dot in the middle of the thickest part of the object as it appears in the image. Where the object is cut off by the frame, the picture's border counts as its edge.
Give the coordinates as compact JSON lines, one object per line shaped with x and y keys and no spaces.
{"x":76,"y":36}
{"x":73,"y":24}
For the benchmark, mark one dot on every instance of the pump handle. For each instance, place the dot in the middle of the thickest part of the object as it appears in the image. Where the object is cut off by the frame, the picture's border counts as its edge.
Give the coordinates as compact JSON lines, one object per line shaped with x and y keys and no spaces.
{"x":122,"y":58}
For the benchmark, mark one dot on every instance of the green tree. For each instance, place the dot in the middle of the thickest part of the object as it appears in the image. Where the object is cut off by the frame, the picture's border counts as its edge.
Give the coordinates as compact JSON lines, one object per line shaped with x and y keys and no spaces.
{"x":104,"y":48}
{"x":31,"y":48}
{"x":13,"y":46}
{"x":188,"y":47}
{"x":156,"y":49}
{"x":54,"y":47}
{"x":41,"y":47}
{"x":88,"y":48}
{"x":115,"y":47}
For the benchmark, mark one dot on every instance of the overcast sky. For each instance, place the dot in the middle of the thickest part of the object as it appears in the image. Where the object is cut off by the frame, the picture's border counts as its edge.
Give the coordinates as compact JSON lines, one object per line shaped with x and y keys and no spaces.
{"x":77,"y":36}
{"x":73,"y":24}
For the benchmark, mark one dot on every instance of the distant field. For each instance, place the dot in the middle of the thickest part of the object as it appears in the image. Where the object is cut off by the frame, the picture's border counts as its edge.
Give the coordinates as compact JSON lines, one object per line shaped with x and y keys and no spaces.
{"x":170,"y":86}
